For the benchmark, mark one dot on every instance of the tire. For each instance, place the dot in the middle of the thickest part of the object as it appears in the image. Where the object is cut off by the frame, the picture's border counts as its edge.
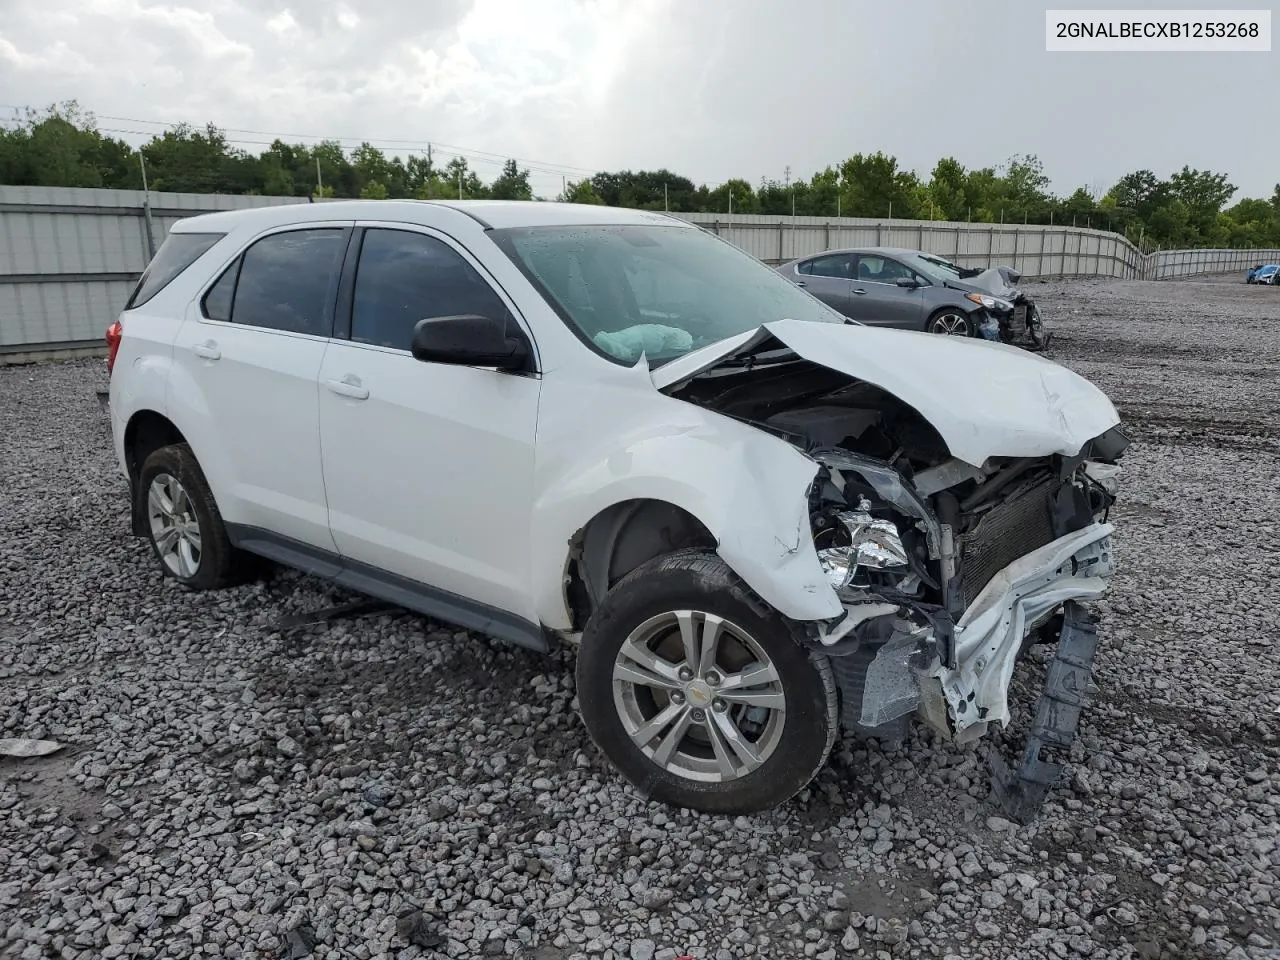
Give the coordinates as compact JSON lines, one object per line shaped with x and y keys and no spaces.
{"x":175,"y":494}
{"x":949,"y":322}
{"x":732,"y":757}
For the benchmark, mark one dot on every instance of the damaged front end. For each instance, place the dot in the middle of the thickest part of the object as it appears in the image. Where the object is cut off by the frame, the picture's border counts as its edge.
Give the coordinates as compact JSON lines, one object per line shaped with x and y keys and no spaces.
{"x":949,"y":576}
{"x":949,"y":557}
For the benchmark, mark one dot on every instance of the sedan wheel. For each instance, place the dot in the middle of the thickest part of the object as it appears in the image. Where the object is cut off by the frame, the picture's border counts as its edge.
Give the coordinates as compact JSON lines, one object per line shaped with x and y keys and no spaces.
{"x":699,"y":696}
{"x":175,"y":529}
{"x":950,"y":324}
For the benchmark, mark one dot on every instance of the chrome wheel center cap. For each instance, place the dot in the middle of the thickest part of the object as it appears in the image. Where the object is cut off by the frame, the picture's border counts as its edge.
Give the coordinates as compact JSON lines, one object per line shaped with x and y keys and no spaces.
{"x":699,"y":694}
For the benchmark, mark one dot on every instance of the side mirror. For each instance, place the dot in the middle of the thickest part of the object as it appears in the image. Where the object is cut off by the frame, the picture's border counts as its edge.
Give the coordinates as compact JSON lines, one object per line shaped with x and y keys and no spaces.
{"x":907,"y":282}
{"x":469,"y":340}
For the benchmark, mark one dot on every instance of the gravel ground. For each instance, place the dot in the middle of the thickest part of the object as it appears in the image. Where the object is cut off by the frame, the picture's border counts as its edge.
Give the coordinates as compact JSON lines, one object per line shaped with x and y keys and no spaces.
{"x":386,"y":787}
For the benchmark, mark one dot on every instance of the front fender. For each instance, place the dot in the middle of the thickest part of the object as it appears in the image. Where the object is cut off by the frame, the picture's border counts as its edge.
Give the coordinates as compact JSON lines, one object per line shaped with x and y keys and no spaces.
{"x":749,"y":489}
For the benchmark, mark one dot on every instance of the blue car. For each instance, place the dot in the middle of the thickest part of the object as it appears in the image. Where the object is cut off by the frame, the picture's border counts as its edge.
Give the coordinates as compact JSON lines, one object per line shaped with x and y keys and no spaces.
{"x":1268,"y":273}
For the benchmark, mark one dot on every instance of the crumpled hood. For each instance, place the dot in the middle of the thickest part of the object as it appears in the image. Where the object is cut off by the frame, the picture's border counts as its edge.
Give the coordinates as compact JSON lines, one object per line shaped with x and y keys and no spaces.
{"x":985,"y":399}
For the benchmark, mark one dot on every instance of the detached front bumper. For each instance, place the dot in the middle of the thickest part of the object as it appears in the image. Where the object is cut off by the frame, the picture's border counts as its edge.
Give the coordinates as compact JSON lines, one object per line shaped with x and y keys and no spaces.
{"x":906,"y":674}
{"x":989,"y":636}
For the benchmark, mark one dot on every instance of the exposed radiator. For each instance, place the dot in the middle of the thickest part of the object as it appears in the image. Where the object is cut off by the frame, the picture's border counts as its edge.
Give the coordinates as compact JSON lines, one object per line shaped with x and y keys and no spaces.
{"x":1010,"y":531}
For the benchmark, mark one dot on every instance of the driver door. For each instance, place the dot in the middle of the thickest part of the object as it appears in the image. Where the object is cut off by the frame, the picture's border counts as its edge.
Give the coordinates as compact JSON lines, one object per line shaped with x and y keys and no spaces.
{"x":428,"y":467}
{"x":879,"y":301}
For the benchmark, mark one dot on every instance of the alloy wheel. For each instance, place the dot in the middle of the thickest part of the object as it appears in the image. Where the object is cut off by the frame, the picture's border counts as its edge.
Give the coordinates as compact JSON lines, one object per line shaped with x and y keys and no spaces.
{"x":175,"y":528}
{"x":950,"y":324}
{"x":699,"y":696}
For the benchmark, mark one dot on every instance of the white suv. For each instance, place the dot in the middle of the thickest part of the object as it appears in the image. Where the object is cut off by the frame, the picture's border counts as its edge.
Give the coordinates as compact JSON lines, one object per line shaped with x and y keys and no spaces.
{"x":543,"y":421}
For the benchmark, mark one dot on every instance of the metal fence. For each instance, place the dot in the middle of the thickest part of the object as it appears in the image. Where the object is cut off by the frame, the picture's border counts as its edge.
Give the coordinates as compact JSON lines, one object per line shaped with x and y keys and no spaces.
{"x":69,"y":257}
{"x":1032,"y":250}
{"x":1169,"y":264}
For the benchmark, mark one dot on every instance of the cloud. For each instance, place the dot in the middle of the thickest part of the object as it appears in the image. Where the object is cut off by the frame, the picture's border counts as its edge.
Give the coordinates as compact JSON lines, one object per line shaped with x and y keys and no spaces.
{"x":707,"y":88}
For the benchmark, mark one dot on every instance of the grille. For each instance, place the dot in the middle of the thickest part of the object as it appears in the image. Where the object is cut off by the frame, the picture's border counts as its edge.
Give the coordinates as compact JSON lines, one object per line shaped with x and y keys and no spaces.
{"x":1010,"y":531}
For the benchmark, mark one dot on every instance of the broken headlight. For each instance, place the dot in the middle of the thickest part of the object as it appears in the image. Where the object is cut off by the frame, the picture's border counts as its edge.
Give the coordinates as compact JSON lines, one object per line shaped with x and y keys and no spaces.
{"x":989,"y":302}
{"x":873,"y":545}
{"x":1105,"y":475}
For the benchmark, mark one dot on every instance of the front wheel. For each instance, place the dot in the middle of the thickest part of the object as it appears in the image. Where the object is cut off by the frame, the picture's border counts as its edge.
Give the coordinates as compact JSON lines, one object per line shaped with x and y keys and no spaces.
{"x":950,"y":323}
{"x":699,"y":693}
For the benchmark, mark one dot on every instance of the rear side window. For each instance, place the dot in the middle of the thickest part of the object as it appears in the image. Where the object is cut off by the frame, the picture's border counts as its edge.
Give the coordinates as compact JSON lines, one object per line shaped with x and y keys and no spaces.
{"x":286,"y":281}
{"x":839,"y":265}
{"x":179,"y":251}
{"x":217,"y":302}
{"x":405,"y":277}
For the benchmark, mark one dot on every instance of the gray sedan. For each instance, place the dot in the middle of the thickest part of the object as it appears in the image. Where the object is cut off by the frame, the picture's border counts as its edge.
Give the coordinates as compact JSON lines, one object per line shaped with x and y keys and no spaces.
{"x":890,"y":287}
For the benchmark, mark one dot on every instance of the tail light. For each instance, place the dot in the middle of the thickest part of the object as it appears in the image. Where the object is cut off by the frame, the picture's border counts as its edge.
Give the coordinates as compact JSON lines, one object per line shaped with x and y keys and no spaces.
{"x":114,"y":334}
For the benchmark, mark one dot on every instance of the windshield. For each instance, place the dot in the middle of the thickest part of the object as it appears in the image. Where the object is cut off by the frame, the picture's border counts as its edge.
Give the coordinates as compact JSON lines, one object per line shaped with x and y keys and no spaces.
{"x":934,"y":268}
{"x":658,"y":290}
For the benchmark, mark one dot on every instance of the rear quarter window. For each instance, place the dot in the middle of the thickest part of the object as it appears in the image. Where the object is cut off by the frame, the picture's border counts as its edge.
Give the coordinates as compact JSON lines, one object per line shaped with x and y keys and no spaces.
{"x":179,"y":251}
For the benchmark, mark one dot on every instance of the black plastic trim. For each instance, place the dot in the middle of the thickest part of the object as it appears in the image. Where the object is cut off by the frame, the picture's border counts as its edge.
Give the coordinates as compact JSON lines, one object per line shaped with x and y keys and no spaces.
{"x":347,"y":286}
{"x":363,"y":578}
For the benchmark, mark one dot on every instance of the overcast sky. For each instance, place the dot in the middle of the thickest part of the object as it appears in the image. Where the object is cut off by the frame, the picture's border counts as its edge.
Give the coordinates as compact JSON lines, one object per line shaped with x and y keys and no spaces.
{"x":708,"y":88}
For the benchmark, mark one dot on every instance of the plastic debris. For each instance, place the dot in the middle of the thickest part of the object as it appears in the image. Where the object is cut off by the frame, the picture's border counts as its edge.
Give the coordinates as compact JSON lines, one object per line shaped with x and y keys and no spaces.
{"x":24,"y":748}
{"x":298,"y":942}
{"x":412,"y":925}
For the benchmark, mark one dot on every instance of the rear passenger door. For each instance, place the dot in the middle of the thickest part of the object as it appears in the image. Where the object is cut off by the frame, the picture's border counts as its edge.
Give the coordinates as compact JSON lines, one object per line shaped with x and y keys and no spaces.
{"x":246,"y":362}
{"x":428,"y":467}
{"x":829,"y":278}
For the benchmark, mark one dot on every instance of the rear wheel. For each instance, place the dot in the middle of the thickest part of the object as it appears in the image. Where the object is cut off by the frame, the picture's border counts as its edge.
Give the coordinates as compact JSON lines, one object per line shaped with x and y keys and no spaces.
{"x":699,"y":693}
{"x":183,"y":523}
{"x":950,"y":323}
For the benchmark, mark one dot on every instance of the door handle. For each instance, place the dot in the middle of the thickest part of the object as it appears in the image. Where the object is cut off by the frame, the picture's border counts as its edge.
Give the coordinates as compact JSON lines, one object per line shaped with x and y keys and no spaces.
{"x":801,"y":283}
{"x":859,"y":291}
{"x":207,"y":350}
{"x":349,"y":386}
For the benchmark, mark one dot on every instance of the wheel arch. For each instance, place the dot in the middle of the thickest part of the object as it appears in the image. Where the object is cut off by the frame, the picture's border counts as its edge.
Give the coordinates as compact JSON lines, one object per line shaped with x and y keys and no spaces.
{"x":617,"y":540}
{"x":146,"y":432}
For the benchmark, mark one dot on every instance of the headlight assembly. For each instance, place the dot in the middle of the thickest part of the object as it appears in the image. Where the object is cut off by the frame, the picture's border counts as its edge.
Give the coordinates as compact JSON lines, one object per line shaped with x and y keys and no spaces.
{"x":873,"y":545}
{"x":991,"y":303}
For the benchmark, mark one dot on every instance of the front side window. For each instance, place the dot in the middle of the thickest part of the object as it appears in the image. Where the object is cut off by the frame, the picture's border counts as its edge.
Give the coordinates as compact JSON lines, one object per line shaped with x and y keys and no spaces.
{"x":877,"y":269}
{"x":286,"y":281}
{"x":405,"y":277}
{"x":653,"y":289}
{"x":179,"y":251}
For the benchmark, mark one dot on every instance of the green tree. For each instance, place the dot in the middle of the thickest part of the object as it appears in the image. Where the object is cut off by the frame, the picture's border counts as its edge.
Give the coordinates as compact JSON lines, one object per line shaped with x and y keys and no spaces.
{"x":649,"y":190}
{"x":186,"y":160}
{"x":1204,"y":194}
{"x":871,"y":185}
{"x":823,"y":194}
{"x":460,"y":181}
{"x":580,"y":191}
{"x":732,"y":196}
{"x":419,"y":172}
{"x":512,"y":184}
{"x":1077,"y":207}
{"x":948,"y":189}
{"x":60,"y":146}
